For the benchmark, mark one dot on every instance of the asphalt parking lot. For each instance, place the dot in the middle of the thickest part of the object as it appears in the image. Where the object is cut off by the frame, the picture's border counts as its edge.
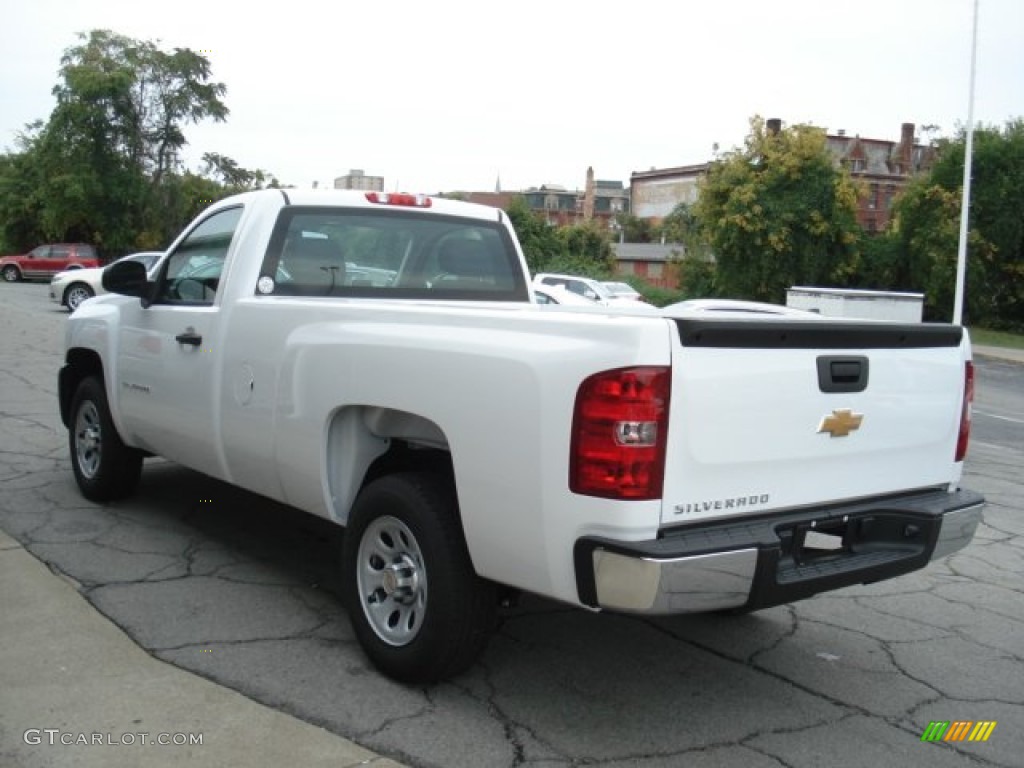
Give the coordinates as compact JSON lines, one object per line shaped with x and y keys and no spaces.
{"x":240,"y":591}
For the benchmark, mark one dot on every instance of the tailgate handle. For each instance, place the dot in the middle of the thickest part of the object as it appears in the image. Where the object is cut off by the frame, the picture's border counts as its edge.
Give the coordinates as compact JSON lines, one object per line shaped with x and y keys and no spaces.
{"x":842,"y":374}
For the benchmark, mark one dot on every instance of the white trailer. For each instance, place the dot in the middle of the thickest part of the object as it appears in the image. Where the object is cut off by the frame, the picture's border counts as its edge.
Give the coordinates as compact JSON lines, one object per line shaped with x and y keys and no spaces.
{"x":866,"y":305}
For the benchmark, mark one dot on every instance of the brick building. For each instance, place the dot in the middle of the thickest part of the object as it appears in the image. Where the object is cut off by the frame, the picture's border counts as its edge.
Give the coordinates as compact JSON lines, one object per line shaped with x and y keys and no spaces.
{"x":599,"y":200}
{"x":881,"y":167}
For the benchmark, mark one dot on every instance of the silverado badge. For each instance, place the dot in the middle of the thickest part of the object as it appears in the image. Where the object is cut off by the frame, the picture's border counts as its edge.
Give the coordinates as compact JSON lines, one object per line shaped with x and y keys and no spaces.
{"x":841,"y":422}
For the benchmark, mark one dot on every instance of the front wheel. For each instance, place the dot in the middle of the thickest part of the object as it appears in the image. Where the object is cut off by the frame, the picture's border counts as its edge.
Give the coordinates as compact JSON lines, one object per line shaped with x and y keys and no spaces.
{"x":105,"y":468}
{"x":76,"y":294}
{"x":11,"y":273}
{"x":417,"y":606}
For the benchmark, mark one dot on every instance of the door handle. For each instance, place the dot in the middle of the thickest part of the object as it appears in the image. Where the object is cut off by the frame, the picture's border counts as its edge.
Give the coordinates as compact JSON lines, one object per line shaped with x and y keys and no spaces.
{"x":189,"y":337}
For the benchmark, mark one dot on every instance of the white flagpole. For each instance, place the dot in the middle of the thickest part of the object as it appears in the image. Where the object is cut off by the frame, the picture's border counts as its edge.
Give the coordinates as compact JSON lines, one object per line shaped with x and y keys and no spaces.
{"x":965,"y":204}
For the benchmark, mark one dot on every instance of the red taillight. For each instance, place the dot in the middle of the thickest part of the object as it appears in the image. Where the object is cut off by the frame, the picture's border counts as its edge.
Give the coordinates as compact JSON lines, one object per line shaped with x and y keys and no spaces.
{"x":965,"y":412}
{"x":399,"y":198}
{"x":619,"y":431}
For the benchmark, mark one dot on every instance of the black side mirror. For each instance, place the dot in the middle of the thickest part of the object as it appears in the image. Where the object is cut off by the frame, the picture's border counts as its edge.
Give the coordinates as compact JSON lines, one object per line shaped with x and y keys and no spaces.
{"x":127,"y":278}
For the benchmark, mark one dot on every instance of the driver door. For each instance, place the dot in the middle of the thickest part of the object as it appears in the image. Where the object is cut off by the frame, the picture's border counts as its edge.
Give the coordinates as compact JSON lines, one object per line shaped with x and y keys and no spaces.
{"x":169,"y":351}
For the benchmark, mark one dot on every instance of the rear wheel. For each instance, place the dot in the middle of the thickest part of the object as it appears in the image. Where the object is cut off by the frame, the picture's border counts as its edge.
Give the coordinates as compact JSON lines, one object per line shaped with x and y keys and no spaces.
{"x":105,"y":468}
{"x":11,"y":273}
{"x":417,"y":606}
{"x":76,"y":294}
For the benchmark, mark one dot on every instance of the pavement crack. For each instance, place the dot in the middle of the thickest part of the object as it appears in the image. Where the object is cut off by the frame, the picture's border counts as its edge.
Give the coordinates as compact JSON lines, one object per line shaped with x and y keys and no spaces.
{"x":428,"y":707}
{"x":512,"y":730}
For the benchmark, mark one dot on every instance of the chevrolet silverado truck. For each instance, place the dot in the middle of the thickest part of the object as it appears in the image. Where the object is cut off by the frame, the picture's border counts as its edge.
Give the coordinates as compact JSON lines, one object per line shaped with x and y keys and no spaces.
{"x":377,"y":360}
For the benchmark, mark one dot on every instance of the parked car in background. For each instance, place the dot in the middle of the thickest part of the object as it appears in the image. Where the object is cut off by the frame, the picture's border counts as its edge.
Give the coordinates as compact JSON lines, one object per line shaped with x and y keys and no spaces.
{"x":557,"y":295}
{"x":587,"y":287}
{"x":623,"y":291}
{"x":48,"y":260}
{"x":71,"y":287}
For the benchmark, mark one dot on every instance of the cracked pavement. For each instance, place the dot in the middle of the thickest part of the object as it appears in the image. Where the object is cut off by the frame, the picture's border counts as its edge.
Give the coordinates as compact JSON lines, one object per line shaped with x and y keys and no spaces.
{"x":241,"y":590}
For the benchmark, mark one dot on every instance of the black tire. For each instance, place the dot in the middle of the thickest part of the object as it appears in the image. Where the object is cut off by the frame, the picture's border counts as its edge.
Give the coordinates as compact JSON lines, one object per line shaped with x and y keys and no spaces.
{"x":418,"y":608}
{"x":105,"y":468}
{"x":75,"y":294}
{"x":11,"y":273}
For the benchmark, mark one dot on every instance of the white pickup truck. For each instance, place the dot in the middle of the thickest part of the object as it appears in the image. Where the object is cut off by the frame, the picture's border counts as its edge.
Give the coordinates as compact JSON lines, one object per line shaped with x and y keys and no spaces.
{"x":378,"y":360}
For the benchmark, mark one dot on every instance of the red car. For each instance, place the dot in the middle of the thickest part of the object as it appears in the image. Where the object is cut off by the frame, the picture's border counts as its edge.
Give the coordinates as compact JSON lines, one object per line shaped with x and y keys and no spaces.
{"x":48,"y":260}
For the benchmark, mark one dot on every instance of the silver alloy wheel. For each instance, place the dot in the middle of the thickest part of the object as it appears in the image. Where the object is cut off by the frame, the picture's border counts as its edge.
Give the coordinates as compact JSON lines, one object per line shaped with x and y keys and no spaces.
{"x":88,"y":436}
{"x":76,"y":295}
{"x":392,"y":580}
{"x":11,"y":274}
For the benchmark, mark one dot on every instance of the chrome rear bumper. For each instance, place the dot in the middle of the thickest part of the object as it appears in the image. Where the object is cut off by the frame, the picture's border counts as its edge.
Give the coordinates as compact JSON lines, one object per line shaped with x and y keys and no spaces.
{"x":767,"y":561}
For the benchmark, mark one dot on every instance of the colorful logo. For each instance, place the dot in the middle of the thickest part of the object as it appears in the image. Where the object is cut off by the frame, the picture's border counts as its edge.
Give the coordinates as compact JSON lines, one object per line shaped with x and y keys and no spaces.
{"x":958,"y":730}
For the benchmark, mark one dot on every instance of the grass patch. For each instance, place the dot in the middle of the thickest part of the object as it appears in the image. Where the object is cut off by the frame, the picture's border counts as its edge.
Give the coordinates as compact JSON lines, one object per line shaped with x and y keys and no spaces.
{"x":997,"y":338}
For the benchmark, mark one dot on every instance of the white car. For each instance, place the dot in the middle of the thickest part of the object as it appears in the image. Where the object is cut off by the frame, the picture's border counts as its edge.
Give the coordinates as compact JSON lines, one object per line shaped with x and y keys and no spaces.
{"x":557,"y":295}
{"x":71,"y":287}
{"x":587,"y":287}
{"x":623,"y":291}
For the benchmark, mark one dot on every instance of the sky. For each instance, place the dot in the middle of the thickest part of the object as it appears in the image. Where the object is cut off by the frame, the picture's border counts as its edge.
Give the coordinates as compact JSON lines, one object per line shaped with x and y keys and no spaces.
{"x":445,"y":95}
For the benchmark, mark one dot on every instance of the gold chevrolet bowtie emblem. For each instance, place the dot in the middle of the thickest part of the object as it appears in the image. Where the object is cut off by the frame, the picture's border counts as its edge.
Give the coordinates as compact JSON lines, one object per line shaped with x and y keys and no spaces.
{"x":841,"y":422}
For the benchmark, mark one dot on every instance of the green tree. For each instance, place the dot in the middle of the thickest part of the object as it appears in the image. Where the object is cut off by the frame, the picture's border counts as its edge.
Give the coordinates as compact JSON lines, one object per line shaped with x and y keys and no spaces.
{"x":633,"y":229}
{"x":539,"y":240}
{"x":698,"y":276}
{"x":21,"y":201}
{"x":995,"y":247}
{"x":683,"y":227}
{"x":777,"y":213}
{"x":141,"y":96}
{"x":232,"y":175}
{"x":588,"y":242}
{"x":882,"y":263}
{"x":926,"y":226}
{"x":102,"y":167}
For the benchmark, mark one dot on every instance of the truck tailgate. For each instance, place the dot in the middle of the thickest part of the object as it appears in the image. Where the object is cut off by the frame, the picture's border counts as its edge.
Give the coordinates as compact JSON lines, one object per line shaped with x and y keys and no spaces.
{"x":771,"y":414}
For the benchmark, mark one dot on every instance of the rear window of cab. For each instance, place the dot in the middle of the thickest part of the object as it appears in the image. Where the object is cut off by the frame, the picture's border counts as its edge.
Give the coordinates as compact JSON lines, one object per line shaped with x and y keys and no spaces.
{"x":320,"y":252}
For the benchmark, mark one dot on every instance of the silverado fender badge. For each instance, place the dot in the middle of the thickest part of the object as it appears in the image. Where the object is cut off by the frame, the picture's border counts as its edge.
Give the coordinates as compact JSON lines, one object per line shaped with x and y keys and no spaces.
{"x":841,"y":422}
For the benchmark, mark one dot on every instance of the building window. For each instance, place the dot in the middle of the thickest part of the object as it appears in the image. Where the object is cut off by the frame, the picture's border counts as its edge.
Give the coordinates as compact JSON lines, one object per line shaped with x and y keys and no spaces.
{"x":857,"y":165}
{"x":873,"y":197}
{"x":551,"y":202}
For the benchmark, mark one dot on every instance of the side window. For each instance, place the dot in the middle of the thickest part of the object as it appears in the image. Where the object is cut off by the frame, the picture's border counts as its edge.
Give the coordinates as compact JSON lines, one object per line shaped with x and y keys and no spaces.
{"x":577,"y":286}
{"x":42,"y":252}
{"x":60,"y":252}
{"x":192,"y":273}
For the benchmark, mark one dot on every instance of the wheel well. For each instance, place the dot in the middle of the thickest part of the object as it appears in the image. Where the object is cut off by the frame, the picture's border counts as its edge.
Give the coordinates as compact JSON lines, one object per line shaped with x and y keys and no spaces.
{"x":365,"y":443}
{"x":403,"y":457}
{"x":79,"y":365}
